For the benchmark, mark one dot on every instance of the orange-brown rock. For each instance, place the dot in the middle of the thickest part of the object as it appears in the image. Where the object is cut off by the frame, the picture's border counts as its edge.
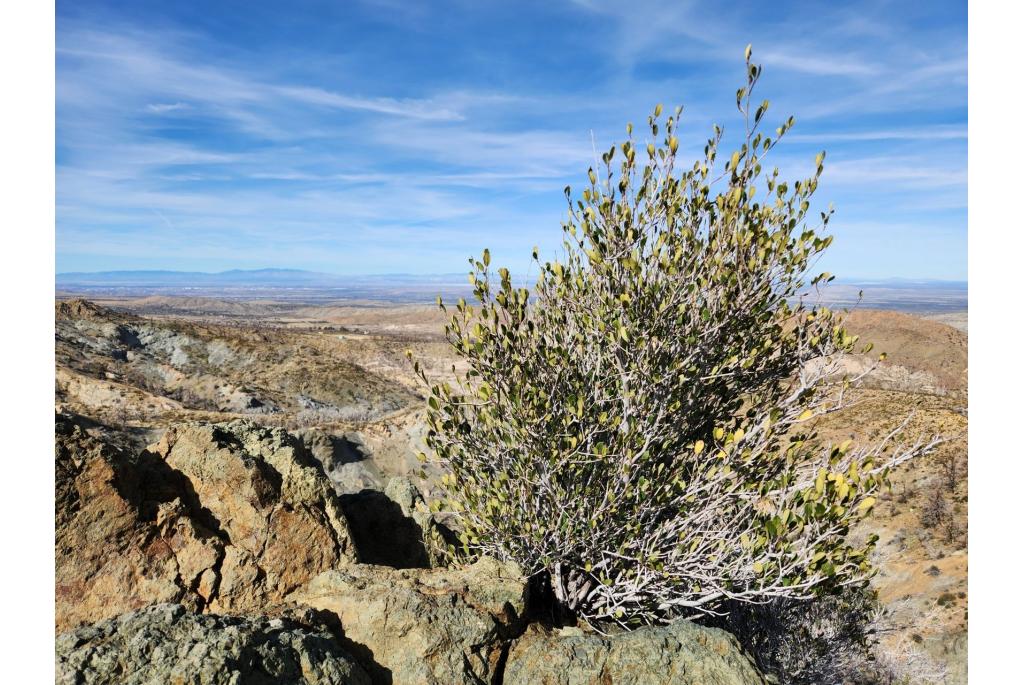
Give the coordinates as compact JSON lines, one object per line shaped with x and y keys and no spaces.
{"x":270,"y":499}
{"x":227,"y":517}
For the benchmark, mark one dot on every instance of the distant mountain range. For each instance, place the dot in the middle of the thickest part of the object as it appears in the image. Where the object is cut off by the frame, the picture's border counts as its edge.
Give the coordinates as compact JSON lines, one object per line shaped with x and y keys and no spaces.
{"x":273,"y":278}
{"x":894,"y":293}
{"x":903,"y":283}
{"x":301,"y":278}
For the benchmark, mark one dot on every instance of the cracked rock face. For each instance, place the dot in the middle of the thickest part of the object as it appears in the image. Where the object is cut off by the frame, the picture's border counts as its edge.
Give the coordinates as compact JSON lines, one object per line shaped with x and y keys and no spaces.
{"x":424,"y":626}
{"x":228,"y":517}
{"x":166,"y":643}
{"x":270,"y":499}
{"x":681,"y":653}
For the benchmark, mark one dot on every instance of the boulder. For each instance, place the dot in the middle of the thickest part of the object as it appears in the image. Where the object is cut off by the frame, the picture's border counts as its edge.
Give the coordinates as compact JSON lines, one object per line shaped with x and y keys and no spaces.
{"x":228,"y":517}
{"x":118,"y":548}
{"x":394,"y":527}
{"x":167,"y":643}
{"x":346,"y":461}
{"x":681,"y":653}
{"x":424,"y":626}
{"x":270,"y":499}
{"x":436,"y":537}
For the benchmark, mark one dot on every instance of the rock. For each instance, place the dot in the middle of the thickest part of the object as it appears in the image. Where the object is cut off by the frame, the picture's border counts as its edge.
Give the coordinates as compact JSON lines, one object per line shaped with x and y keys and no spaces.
{"x":272,"y":501}
{"x":392,"y":528}
{"x":116,"y":548}
{"x":682,"y":653}
{"x":77,"y":308}
{"x":424,"y":626}
{"x":435,"y":537}
{"x":167,"y":643}
{"x":382,"y":533}
{"x":345,"y":460}
{"x":402,"y":492}
{"x":228,"y":517}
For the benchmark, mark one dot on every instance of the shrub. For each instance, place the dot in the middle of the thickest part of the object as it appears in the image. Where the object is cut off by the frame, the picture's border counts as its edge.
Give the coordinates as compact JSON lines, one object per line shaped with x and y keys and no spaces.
{"x":949,"y":463}
{"x":903,"y":663}
{"x":936,"y":510}
{"x":636,"y":432}
{"x":824,"y":640}
{"x":952,"y":530}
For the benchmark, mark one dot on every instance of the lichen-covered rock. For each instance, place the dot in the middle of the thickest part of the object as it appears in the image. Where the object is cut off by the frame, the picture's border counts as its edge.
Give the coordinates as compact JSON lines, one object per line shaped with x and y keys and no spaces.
{"x":424,"y":626}
{"x":682,"y":653}
{"x":117,"y":545}
{"x":394,"y":527}
{"x":272,"y":501}
{"x":435,"y":536}
{"x":227,"y":517}
{"x":166,"y":643}
{"x":382,"y":532}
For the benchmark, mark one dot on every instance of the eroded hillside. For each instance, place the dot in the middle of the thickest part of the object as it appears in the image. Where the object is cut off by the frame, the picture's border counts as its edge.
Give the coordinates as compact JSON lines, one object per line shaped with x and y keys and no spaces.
{"x":122,"y":368}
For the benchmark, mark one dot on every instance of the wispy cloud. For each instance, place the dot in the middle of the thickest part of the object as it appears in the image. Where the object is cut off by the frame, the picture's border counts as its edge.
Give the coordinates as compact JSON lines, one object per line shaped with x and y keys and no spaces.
{"x":164,"y":108}
{"x":894,"y":173}
{"x":818,"y":64}
{"x":921,"y":133}
{"x":416,"y":109}
{"x":383,"y":138}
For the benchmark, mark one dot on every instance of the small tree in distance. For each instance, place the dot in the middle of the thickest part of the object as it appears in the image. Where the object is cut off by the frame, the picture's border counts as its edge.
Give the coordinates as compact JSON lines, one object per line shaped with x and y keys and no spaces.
{"x":634,"y":432}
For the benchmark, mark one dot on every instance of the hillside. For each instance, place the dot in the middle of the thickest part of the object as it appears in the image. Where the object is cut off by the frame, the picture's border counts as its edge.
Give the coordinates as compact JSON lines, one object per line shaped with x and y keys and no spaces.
{"x":120,"y":366}
{"x":922,"y":354}
{"x":922,"y":523}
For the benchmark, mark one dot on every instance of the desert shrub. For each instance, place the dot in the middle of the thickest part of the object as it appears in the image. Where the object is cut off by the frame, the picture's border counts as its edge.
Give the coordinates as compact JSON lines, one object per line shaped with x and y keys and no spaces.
{"x":830,"y":639}
{"x":636,"y":432}
{"x":950,"y":464}
{"x":935,"y":511}
{"x":952,"y":530}
{"x":903,"y":663}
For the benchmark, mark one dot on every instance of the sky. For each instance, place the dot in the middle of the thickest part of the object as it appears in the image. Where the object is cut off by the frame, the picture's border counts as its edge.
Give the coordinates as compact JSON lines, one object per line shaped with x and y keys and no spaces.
{"x":382,"y":136}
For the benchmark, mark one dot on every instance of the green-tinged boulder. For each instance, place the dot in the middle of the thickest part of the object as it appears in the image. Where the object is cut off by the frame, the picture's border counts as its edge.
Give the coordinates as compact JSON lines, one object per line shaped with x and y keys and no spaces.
{"x":682,"y":653}
{"x":167,"y":643}
{"x":424,"y":626}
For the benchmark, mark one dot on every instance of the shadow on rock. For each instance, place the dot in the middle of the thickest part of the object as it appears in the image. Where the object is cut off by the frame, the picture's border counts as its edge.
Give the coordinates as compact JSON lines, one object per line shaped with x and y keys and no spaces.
{"x":382,"y":533}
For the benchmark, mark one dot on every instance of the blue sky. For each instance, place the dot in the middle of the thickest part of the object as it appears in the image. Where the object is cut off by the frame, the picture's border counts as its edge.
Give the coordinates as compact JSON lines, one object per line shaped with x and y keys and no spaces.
{"x":401,"y":137}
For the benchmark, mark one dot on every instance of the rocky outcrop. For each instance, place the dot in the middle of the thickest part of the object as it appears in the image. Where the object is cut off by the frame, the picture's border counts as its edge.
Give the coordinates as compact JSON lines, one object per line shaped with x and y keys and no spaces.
{"x":228,"y":517}
{"x":394,"y":528}
{"x":270,"y":499}
{"x":345,"y":460}
{"x":682,"y":653}
{"x":239,"y":519}
{"x":78,"y":308}
{"x":167,"y":643}
{"x":429,"y":627}
{"x":118,"y":546}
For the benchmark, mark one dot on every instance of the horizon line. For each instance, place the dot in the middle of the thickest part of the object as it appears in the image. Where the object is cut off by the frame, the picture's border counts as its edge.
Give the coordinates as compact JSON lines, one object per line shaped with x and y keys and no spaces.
{"x":839,"y":280}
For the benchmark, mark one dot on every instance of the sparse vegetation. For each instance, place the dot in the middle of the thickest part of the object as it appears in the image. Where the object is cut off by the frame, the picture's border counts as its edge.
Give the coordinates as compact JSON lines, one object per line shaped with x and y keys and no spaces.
{"x":827,"y":640}
{"x":936,"y":509}
{"x":939,"y":516}
{"x":949,"y":462}
{"x":637,"y":432}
